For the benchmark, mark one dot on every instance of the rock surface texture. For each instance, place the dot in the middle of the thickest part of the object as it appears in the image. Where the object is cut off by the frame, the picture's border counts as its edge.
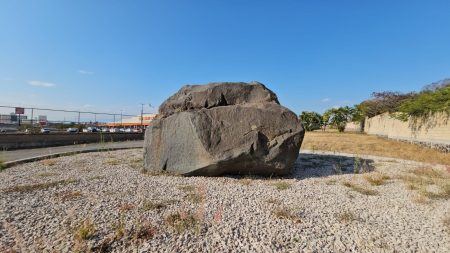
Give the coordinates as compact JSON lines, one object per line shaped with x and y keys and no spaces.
{"x":223,"y":128}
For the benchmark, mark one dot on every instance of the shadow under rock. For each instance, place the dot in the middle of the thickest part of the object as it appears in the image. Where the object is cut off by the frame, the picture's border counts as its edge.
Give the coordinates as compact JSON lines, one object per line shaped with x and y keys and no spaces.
{"x":323,"y":165}
{"x":320,"y":165}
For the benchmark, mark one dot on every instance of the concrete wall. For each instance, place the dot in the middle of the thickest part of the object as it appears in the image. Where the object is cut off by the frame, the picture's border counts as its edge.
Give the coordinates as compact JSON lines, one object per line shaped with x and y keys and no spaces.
{"x":433,"y":131}
{"x":21,"y":141}
{"x":353,"y":127}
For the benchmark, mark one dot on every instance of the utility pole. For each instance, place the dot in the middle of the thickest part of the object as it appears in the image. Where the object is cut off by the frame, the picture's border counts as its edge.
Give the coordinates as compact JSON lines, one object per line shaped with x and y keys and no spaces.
{"x":32,"y":111}
{"x":142,"y":116}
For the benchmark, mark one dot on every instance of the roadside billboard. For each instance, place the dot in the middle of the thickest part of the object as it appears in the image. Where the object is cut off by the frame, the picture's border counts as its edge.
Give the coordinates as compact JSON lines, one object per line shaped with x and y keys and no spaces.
{"x":42,"y":120}
{"x":20,"y":110}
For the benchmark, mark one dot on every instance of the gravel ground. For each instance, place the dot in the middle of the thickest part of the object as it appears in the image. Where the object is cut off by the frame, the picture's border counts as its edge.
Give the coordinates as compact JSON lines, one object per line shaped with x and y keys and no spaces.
{"x":102,"y":202}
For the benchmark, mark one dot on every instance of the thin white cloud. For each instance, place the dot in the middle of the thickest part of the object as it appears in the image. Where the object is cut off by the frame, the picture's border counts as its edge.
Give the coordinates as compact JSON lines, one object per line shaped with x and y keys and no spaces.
{"x":325,"y":100}
{"x":85,"y":72}
{"x":41,"y":84}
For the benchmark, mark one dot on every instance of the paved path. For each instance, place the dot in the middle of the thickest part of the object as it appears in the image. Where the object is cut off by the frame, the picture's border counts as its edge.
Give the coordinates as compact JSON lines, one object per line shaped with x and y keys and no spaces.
{"x":25,"y":155}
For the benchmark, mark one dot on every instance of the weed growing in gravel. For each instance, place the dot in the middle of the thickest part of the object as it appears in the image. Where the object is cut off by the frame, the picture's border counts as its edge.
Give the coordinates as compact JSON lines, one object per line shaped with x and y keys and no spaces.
{"x":144,"y":231}
{"x":337,"y":168}
{"x":330,"y":182}
{"x":422,"y":178}
{"x":85,"y":231}
{"x":245,"y":181}
{"x":377,"y":179}
{"x":68,"y":195}
{"x":196,"y":196}
{"x":112,"y":162}
{"x":148,"y":205}
{"x":125,"y":207}
{"x":421,"y":199}
{"x":360,"y":189}
{"x":346,"y":216}
{"x":447,"y":224}
{"x":281,"y":185}
{"x":47,"y":174}
{"x":137,"y":164}
{"x":119,"y":229}
{"x":48,"y":162}
{"x":361,"y":166}
{"x":182,"y":222}
{"x":2,"y":165}
{"x":286,"y":213}
{"x":35,"y":187}
{"x":186,"y":188}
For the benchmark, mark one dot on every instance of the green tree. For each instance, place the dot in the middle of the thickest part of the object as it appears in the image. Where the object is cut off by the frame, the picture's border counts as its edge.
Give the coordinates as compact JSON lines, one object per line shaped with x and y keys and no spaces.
{"x":311,"y":120}
{"x":426,"y":102}
{"x":338,"y":117}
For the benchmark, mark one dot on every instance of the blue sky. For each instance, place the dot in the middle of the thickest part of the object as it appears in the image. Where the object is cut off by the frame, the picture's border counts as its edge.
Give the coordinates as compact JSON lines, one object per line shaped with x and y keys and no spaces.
{"x":113,"y":55}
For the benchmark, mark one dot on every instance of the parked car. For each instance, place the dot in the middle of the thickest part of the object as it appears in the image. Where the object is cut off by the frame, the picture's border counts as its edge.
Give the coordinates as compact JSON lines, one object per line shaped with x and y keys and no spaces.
{"x":72,"y":130}
{"x":45,"y":130}
{"x":105,"y":130}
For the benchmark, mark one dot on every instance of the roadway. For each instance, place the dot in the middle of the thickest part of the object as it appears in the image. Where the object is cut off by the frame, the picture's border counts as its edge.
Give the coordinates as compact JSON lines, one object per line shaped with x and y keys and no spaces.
{"x":25,"y":155}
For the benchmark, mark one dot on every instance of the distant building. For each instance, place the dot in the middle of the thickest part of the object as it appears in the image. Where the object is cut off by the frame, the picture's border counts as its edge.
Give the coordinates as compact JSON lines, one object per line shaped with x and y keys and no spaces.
{"x":133,"y":122}
{"x":11,"y":118}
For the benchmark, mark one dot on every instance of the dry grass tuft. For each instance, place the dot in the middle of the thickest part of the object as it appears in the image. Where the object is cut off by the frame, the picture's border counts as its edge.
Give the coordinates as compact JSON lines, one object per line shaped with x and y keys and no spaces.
{"x":356,"y":143}
{"x":346,"y":216}
{"x":422,"y":179}
{"x":48,"y":162}
{"x":360,"y":189}
{"x":281,"y":185}
{"x":186,"y":188}
{"x":286,"y":213}
{"x":36,"y":187}
{"x":119,"y":229}
{"x":428,"y":172}
{"x":377,"y":179}
{"x":85,"y":231}
{"x":137,"y":164}
{"x":68,"y":195}
{"x":330,"y":182}
{"x":421,"y":199}
{"x":145,"y":231}
{"x":126,"y":207}
{"x":112,"y":162}
{"x":182,"y":222}
{"x":446,"y":223}
{"x":246,"y":181}
{"x":148,"y":205}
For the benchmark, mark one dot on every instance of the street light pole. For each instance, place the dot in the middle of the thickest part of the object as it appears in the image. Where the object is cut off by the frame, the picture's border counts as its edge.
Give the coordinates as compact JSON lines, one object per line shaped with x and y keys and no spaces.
{"x":142,"y":116}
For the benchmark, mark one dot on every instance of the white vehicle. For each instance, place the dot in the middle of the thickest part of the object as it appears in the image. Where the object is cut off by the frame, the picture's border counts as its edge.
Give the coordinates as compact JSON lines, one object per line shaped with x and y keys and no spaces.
{"x":128,"y":130}
{"x":72,"y":130}
{"x":45,"y":130}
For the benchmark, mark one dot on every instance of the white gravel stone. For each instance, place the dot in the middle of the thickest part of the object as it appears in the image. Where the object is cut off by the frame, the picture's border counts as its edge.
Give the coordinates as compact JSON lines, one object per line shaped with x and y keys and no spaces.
{"x":235,"y":214}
